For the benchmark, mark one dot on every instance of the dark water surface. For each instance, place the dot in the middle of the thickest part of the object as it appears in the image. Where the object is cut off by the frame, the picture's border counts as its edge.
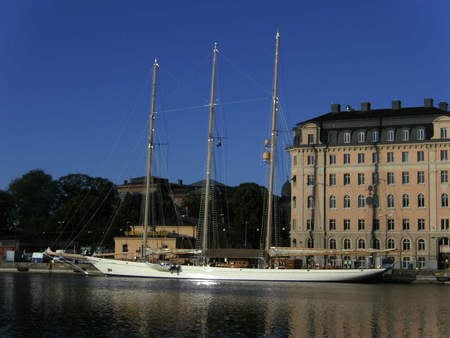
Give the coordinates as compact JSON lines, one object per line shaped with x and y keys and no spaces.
{"x":37,"y":305}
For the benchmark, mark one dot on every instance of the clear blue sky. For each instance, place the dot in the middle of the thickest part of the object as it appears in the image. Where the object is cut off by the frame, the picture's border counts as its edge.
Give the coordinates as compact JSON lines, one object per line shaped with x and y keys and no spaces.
{"x":75,"y":77}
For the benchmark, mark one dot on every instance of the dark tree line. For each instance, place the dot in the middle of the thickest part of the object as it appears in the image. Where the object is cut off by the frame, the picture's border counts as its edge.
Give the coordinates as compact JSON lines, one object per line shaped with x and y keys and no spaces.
{"x":79,"y":210}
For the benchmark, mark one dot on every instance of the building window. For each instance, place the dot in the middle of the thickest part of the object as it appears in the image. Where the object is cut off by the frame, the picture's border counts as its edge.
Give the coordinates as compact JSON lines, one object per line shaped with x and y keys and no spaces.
{"x":333,"y":202}
{"x":406,"y":244}
{"x":332,"y":243}
{"x":391,"y":224}
{"x":375,"y":136}
{"x":332,"y":178}
{"x":347,"y":137}
{"x":294,"y":223}
{"x":332,"y":224}
{"x":405,"y":224}
{"x":376,"y":244}
{"x":294,"y":202}
{"x":346,"y":201}
{"x":310,"y":138}
{"x":444,"y":176}
{"x":361,"y":224}
{"x":390,"y":156}
{"x":347,"y":244}
{"x":311,"y":159}
{"x":361,"y":179}
{"x":124,"y":247}
{"x":405,"y":177}
{"x":376,"y":224}
{"x":406,"y":262}
{"x":346,"y":224}
{"x":405,"y":201}
{"x":390,"y":201}
{"x":405,"y":156}
{"x":346,"y":179}
{"x":361,"y":244}
{"x":361,"y":137}
{"x":421,"y":134}
{"x":294,"y":160}
{"x":332,"y":159}
{"x":444,"y":200}
{"x":346,"y":158}
{"x":374,"y":178}
{"x":310,"y":179}
{"x":420,"y":264}
{"x":420,"y":156}
{"x":420,"y":177}
{"x":361,"y":201}
{"x":310,"y":243}
{"x":375,"y":158}
{"x":421,"y":200}
{"x":405,"y":134}
{"x":421,"y":244}
{"x":444,"y":155}
{"x":443,"y":132}
{"x":445,"y":224}
{"x":390,"y":178}
{"x":361,"y":158}
{"x":421,"y":224}
{"x":309,"y":224}
{"x":310,"y":202}
{"x":390,"y":135}
{"x":390,"y":243}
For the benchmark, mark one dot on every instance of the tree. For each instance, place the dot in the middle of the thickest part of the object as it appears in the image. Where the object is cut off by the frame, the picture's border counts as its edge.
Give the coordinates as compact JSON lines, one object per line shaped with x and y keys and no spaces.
{"x":35,"y":194}
{"x":7,"y":209}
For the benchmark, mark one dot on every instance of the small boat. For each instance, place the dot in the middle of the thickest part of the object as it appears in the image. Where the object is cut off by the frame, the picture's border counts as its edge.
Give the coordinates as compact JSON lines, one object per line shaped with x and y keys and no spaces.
{"x":203,"y":271}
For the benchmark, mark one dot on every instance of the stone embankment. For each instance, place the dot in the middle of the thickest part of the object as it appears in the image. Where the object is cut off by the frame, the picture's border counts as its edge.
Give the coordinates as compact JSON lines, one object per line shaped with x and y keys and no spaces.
{"x":56,"y":267}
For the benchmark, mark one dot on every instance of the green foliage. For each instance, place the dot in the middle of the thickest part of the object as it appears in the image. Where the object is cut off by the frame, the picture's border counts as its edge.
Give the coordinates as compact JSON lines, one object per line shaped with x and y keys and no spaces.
{"x":7,"y":210}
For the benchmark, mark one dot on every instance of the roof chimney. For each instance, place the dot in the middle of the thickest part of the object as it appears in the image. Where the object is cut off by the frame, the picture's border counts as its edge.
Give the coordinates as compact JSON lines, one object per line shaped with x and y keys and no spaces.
{"x":365,"y":106}
{"x":396,"y":105}
{"x":443,"y":106}
{"x":428,"y":103}
{"x":335,"y":108}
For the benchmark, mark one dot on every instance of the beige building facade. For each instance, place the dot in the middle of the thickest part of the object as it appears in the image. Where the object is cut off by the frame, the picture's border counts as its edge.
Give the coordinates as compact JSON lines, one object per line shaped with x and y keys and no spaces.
{"x":377,"y":179}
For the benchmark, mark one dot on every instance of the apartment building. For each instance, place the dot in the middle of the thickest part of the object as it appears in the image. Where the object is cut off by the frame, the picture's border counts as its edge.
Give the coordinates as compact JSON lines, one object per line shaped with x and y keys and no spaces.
{"x":374,"y":178}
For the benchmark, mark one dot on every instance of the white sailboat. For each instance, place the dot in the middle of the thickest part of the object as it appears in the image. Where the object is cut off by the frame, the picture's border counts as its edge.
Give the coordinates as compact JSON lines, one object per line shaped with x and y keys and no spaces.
{"x":112,"y":267}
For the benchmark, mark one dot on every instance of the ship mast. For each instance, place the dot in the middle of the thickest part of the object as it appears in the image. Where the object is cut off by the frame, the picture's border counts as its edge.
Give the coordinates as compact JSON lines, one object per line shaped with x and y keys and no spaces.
{"x":204,"y":246}
{"x":148,"y":176}
{"x":273,"y":144}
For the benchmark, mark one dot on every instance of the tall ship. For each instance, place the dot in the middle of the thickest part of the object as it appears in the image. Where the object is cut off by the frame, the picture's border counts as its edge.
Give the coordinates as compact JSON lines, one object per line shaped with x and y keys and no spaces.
{"x":268,"y":270}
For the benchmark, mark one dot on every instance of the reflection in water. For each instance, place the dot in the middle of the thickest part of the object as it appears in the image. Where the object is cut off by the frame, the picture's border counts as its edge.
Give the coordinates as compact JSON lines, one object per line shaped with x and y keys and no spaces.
{"x":72,"y":305}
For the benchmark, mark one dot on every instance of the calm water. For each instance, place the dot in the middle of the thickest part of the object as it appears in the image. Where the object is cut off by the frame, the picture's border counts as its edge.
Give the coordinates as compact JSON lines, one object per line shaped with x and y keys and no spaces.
{"x":34,"y":305}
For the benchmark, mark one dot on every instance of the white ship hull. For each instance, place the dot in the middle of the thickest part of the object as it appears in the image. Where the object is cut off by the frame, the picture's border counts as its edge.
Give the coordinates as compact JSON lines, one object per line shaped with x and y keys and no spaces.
{"x":113,"y":267}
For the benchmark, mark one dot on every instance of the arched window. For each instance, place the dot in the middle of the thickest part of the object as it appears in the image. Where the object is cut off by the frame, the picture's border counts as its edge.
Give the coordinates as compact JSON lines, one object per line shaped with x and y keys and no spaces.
{"x":332,"y":202}
{"x":346,"y":201}
{"x":361,"y":201}
{"x":361,"y":244}
{"x":332,"y":243}
{"x":310,"y":243}
{"x":405,"y":201}
{"x":406,"y":244}
{"x":444,"y":200}
{"x":361,"y":137}
{"x":421,"y":244}
{"x":390,"y":201}
{"x":391,"y":243}
{"x":347,"y":243}
{"x":376,"y":244}
{"x":310,"y":202}
{"x":421,"y":200}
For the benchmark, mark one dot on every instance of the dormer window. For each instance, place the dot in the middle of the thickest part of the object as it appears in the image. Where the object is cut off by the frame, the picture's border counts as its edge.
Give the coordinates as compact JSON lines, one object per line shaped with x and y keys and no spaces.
{"x":443,"y":132}
{"x":405,"y":135}
{"x":375,"y":136}
{"x":421,"y":134}
{"x":361,"y":137}
{"x":347,"y":137}
{"x":390,"y":135}
{"x":310,"y":138}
